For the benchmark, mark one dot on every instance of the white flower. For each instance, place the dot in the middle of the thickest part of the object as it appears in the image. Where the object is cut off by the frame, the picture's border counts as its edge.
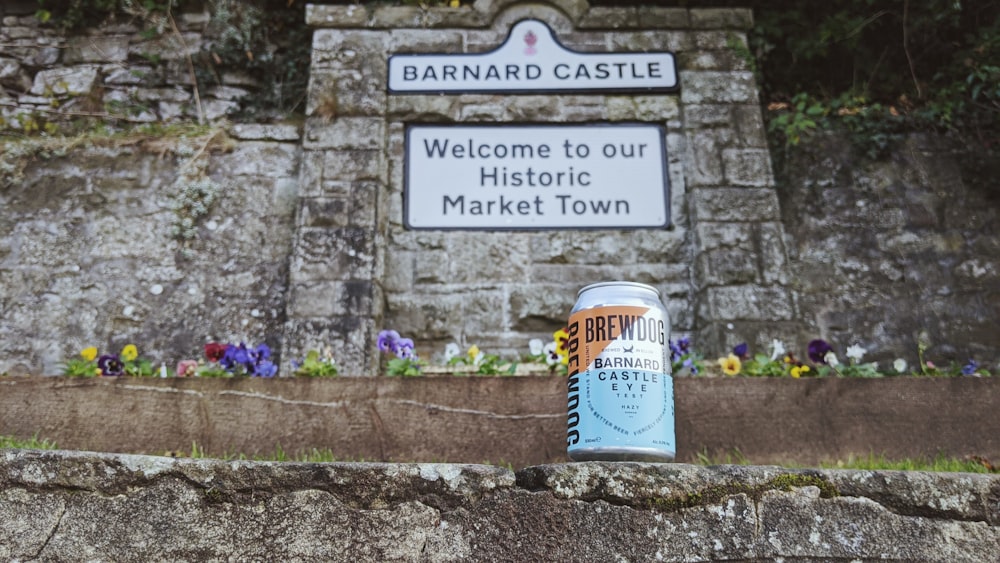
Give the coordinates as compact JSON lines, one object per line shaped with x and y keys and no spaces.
{"x":536,"y":346}
{"x":831,"y":359}
{"x":450,"y":351}
{"x":855,"y":352}
{"x":777,"y":349}
{"x":551,"y":356}
{"x":899,"y":365}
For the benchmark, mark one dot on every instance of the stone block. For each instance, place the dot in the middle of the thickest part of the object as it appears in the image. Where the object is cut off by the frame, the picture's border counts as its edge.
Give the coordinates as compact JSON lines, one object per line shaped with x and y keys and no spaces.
{"x":340,"y":93}
{"x":708,"y":115}
{"x":350,"y":165}
{"x":542,"y":307}
{"x":213,"y":110}
{"x":13,"y":76}
{"x":747,"y":167}
{"x":169,"y":46}
{"x":710,"y":86}
{"x":96,"y":49}
{"x":332,"y":298}
{"x":131,"y":75}
{"x":584,"y":247}
{"x":721,"y":18}
{"x":333,"y":254}
{"x":433,"y":316}
{"x":345,"y":133}
{"x":406,"y":41}
{"x":745,"y":302}
{"x":642,"y":108}
{"x":706,"y":156}
{"x":324,"y":212}
{"x":670,"y":246}
{"x":431,"y":108}
{"x":260,"y":158}
{"x":73,"y":81}
{"x":750,"y":130}
{"x":773,"y":256}
{"x":734,"y":204}
{"x":265,"y":132}
{"x":727,"y":266}
{"x":42,"y":57}
{"x":351,"y":338}
{"x":711,"y":60}
{"x":317,"y":15}
{"x":572,"y":277}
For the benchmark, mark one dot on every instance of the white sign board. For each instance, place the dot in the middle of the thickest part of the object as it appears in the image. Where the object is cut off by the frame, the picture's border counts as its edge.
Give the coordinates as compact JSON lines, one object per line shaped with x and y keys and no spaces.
{"x":531,"y":61}
{"x":488,"y":177}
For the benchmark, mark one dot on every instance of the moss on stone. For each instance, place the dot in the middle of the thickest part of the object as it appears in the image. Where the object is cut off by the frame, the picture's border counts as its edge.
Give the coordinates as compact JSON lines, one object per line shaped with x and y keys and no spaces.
{"x":714,"y":495}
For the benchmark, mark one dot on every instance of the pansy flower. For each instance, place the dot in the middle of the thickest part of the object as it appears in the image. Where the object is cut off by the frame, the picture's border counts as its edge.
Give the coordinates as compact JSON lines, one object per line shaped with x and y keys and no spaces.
{"x":215,"y":350}
{"x":130,"y":352}
{"x":818,"y":349}
{"x":110,"y":365}
{"x":561,"y":338}
{"x":731,"y":364}
{"x":387,"y":340}
{"x":742,"y":351}
{"x":89,"y":353}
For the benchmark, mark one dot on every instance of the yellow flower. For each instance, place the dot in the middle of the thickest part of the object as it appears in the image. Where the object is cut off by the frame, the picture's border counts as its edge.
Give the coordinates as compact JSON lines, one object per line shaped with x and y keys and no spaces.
{"x":473,"y":352}
{"x":799,"y":371}
{"x":730,"y":364}
{"x":130,"y":352}
{"x":455,"y":3}
{"x":89,"y":353}
{"x":562,"y":341}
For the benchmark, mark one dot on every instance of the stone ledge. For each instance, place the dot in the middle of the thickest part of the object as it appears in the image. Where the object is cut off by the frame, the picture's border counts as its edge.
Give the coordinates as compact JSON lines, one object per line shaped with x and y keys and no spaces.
{"x":56,"y":505}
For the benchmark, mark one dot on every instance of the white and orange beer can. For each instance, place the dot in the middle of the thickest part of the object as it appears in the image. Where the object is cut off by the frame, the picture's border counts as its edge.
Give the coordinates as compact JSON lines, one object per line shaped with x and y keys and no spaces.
{"x":621,"y":394}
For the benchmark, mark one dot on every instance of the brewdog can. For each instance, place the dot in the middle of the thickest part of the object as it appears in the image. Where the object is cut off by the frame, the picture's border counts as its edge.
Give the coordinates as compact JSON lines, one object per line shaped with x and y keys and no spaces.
{"x":621,"y":395}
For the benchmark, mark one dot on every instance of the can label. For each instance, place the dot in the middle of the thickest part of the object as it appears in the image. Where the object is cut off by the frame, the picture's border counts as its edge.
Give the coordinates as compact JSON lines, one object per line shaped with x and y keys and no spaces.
{"x":620,"y":389}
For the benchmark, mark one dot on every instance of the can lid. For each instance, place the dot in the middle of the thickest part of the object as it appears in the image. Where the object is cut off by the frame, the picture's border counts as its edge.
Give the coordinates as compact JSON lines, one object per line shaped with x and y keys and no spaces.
{"x":635,"y":285}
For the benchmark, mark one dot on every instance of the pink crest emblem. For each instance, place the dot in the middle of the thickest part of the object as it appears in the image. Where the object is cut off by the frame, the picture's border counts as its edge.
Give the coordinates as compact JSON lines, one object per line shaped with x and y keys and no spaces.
{"x":530,"y":39}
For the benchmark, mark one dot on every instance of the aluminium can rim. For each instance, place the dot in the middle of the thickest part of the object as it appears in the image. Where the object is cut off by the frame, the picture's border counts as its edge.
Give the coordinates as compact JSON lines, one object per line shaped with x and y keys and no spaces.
{"x":635,"y":285}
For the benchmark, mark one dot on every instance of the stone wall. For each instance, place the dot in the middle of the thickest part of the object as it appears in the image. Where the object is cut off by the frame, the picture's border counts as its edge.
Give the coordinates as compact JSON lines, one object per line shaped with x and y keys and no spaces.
{"x":306,"y":245}
{"x":896,"y":252}
{"x":105,"y":245}
{"x":715,"y":267}
{"x":70,"y":506}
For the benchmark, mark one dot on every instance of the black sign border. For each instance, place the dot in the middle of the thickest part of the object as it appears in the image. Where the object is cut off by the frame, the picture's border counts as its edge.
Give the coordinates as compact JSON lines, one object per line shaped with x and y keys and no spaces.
{"x":568,"y":91}
{"x":667,"y":224}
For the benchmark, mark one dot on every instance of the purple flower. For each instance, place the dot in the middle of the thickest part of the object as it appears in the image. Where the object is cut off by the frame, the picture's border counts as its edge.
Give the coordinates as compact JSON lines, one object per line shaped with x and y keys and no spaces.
{"x":689,"y":363}
{"x":679,"y":348}
{"x":742,"y":351}
{"x":235,"y":357}
{"x":970,"y":368}
{"x":404,"y":348}
{"x":818,"y":349}
{"x":266,"y":369}
{"x":262,"y":352}
{"x":110,"y":364}
{"x":387,"y":340}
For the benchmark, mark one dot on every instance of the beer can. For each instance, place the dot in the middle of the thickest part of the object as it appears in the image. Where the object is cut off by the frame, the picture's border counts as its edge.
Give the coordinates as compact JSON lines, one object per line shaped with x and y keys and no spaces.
{"x":621,"y":394}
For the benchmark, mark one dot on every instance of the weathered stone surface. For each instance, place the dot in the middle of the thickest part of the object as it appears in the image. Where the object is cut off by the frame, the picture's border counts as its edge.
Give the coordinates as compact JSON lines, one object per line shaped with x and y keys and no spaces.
{"x":74,"y":81}
{"x":96,"y":49}
{"x":877,"y":250}
{"x":206,"y":509}
{"x":104,"y":243}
